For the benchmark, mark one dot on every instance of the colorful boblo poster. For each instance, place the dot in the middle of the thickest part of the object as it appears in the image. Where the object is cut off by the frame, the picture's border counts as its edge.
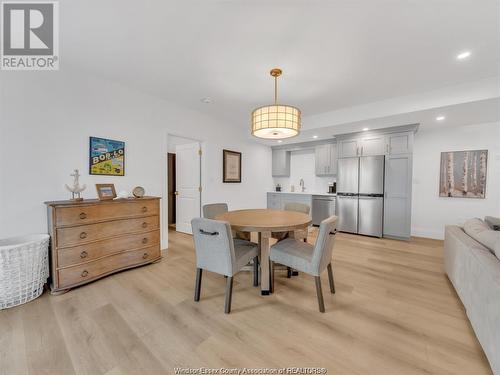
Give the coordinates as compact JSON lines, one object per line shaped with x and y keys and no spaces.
{"x":107,"y":157}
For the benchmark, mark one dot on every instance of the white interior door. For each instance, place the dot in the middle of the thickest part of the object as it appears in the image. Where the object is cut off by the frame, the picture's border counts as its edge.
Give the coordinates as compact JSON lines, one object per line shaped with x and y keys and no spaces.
{"x":187,"y":174}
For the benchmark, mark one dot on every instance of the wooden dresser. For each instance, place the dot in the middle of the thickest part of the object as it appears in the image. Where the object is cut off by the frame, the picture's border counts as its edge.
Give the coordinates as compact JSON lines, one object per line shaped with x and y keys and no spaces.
{"x":91,"y":239}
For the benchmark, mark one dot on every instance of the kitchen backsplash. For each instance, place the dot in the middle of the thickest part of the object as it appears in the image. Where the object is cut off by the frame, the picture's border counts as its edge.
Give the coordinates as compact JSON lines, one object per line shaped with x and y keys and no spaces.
{"x":302,"y":165}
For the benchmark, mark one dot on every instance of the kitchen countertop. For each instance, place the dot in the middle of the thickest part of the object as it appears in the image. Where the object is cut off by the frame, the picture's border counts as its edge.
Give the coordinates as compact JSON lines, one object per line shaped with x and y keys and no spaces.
{"x":302,"y":193}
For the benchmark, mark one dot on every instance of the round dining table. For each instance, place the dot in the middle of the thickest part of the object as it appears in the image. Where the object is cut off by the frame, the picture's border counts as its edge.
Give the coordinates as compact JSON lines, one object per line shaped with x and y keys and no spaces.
{"x":264,"y":222}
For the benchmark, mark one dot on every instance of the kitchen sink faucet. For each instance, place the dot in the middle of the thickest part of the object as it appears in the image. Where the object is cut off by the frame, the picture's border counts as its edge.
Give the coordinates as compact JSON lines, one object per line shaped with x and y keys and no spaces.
{"x":301,"y":183}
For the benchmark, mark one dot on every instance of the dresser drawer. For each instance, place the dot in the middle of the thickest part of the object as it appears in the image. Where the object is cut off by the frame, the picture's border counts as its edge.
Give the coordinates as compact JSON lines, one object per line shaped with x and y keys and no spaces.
{"x":85,"y":272}
{"x":83,"y":253}
{"x":86,"y":214}
{"x":92,"y":232}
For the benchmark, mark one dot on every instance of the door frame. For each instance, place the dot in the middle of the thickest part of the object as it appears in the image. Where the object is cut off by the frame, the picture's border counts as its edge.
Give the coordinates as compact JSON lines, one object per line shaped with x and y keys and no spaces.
{"x":164,"y":193}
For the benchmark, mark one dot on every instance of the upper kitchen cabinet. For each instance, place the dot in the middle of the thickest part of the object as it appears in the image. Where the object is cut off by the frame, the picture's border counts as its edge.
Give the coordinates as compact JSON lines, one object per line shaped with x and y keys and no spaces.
{"x":362,"y":146}
{"x":326,"y":159}
{"x":372,"y":146}
{"x":348,"y":148}
{"x":281,"y":163}
{"x":399,"y":143}
{"x":388,"y":141}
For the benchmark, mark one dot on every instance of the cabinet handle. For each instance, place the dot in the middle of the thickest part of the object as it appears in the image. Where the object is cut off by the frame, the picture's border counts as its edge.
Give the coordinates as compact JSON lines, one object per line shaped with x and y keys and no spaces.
{"x":144,"y":240}
{"x":85,"y":273}
{"x":357,"y":151}
{"x":144,"y":209}
{"x":362,"y":150}
{"x":83,"y":235}
{"x":83,"y":215}
{"x":145,"y":255}
{"x":83,"y":254}
{"x":144,"y":225}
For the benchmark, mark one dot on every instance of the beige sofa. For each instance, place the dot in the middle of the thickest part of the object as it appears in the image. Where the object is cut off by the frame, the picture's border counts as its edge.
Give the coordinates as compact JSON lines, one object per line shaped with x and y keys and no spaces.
{"x":474,"y":271}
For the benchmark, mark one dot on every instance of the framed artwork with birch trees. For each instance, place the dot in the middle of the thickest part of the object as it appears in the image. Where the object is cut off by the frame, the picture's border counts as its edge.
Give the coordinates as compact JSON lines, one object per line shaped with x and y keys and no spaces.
{"x":463,"y":174}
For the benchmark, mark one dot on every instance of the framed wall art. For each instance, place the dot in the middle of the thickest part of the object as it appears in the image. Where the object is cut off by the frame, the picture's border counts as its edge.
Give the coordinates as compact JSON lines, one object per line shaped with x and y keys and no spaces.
{"x":463,"y":174}
{"x":231,"y":166}
{"x":106,"y":157}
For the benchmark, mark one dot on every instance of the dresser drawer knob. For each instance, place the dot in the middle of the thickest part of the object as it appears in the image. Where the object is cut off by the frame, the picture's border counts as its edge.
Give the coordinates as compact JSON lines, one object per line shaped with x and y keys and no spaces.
{"x":83,"y":235}
{"x":144,"y":240}
{"x":83,"y":254}
{"x":144,"y":209}
{"x":85,"y":273}
{"x":144,"y":225}
{"x":145,"y":255}
{"x":83,"y":215}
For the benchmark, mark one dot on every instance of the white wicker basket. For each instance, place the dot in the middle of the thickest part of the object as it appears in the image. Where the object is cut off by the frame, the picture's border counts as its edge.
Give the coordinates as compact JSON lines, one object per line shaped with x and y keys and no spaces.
{"x":24,"y":269}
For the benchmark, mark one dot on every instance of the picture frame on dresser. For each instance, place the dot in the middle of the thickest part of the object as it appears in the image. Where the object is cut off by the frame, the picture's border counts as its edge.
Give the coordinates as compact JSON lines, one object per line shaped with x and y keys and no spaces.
{"x":105,"y":191}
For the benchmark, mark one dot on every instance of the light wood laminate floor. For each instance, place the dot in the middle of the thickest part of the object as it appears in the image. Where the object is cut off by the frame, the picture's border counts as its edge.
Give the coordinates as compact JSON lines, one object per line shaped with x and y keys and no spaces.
{"x":395,"y":312}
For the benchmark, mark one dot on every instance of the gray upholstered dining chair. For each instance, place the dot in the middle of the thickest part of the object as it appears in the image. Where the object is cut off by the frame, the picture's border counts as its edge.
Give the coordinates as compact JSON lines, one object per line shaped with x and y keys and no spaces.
{"x":308,"y":258}
{"x":210,"y":211}
{"x":300,"y":234}
{"x":217,"y":251}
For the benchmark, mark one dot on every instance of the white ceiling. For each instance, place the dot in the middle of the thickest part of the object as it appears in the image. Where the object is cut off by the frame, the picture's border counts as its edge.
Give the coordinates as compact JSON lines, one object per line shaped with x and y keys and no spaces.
{"x":334,"y":54}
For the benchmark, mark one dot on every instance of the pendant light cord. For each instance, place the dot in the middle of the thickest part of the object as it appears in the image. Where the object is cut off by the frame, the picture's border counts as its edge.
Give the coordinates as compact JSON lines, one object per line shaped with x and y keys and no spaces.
{"x":275,"y":90}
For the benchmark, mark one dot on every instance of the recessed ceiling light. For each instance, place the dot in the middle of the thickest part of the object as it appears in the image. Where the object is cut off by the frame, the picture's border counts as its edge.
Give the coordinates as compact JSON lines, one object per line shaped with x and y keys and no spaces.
{"x":279,"y":141}
{"x":366,"y":129}
{"x":463,"y":55}
{"x":315,"y":136}
{"x":440,"y":118}
{"x":206,"y":100}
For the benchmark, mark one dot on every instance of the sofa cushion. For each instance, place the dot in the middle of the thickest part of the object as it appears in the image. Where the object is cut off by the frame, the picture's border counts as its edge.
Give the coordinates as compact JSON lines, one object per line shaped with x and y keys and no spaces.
{"x":493,"y":222}
{"x":482,"y":233}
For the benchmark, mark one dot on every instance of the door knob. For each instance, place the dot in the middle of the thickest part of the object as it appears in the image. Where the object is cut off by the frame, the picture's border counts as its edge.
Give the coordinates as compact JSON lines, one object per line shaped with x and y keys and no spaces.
{"x":176,"y":193}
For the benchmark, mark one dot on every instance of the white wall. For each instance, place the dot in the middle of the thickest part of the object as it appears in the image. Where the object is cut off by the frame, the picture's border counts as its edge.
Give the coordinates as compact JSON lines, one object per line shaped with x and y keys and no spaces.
{"x":302,"y":165}
{"x":430,"y":213}
{"x":46,"y":119}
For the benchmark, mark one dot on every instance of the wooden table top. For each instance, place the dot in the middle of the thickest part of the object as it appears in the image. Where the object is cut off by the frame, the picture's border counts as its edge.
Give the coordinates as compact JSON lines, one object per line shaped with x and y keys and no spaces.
{"x":262,"y":220}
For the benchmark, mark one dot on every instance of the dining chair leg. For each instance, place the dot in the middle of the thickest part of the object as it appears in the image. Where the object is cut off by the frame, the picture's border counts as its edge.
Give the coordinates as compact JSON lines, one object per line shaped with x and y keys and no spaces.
{"x":271,"y":276}
{"x":288,"y":272}
{"x":330,"y":278}
{"x":319,"y":292}
{"x":256,"y":271}
{"x":197,"y":287}
{"x":229,"y":294}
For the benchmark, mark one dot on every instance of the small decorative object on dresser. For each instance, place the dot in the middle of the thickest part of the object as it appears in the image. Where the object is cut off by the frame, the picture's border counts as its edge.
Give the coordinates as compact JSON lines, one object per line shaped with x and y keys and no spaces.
{"x":138,"y":192}
{"x":95,"y":238}
{"x":105,"y":191}
{"x":231,"y":166}
{"x":76,"y":189}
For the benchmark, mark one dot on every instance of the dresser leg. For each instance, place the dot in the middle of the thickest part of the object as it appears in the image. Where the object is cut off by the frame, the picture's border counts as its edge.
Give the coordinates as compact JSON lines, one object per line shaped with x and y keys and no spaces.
{"x":59,"y":292}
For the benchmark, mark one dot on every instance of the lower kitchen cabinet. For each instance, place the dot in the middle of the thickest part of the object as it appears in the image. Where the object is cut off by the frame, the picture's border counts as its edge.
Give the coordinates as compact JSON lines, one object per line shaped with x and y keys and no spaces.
{"x":277,"y":201}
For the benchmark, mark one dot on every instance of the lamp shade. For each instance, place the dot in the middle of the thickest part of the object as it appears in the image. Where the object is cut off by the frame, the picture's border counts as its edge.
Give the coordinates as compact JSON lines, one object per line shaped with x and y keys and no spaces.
{"x":276,"y":121}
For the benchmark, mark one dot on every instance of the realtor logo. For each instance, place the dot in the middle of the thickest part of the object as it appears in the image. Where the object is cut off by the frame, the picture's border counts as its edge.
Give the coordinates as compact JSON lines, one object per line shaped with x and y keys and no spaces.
{"x":30,"y":35}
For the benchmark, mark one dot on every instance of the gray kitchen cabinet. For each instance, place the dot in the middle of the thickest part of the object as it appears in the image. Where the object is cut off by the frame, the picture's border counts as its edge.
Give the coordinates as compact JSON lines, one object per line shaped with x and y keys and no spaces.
{"x":281,"y":163}
{"x":399,"y":143}
{"x":277,"y":201}
{"x":373,"y":146}
{"x":348,"y":148}
{"x":274,"y":201}
{"x":397,"y":196}
{"x":326,"y":159}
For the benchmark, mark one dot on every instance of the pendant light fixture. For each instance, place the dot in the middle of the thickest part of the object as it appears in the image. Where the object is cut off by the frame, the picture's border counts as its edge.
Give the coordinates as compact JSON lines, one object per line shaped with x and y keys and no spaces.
{"x":276,"y":121}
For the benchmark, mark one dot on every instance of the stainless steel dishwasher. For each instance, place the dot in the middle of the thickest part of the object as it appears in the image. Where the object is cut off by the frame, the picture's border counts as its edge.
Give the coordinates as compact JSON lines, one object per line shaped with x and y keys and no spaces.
{"x":323,"y":206}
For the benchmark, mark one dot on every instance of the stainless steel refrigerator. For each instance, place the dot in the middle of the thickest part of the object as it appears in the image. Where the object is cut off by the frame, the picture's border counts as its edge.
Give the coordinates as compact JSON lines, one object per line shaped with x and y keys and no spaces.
{"x":360,"y":195}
